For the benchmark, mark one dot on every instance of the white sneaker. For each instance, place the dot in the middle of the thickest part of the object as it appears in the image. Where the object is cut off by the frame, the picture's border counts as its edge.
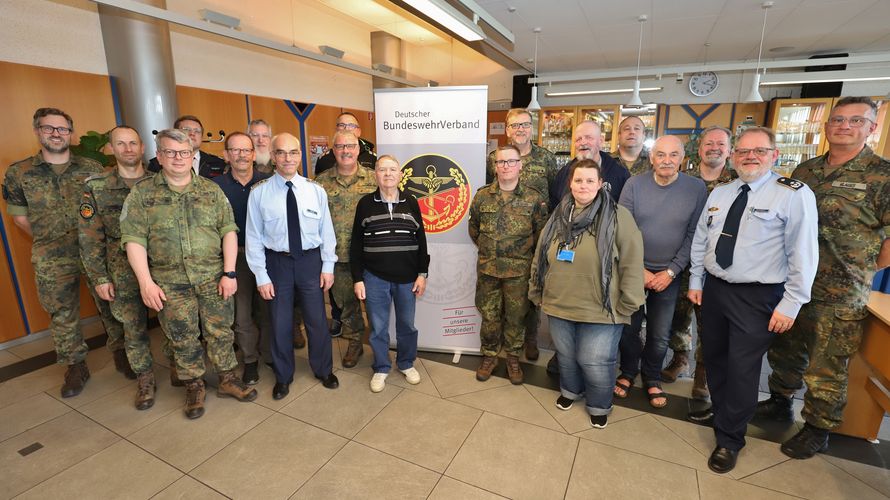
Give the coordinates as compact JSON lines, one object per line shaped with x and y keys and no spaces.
{"x":378,"y":382}
{"x":411,"y":375}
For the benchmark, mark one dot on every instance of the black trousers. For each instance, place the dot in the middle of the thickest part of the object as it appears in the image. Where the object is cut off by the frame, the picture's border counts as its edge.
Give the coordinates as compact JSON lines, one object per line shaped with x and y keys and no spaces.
{"x":735,"y":333}
{"x":298,"y":276}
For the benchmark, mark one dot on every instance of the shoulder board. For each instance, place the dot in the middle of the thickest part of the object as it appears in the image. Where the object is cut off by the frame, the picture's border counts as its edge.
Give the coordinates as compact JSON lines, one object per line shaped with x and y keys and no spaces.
{"x":101,"y":175}
{"x":140,"y":181}
{"x":790,"y":183}
{"x":258,"y":183}
{"x":724,"y":183}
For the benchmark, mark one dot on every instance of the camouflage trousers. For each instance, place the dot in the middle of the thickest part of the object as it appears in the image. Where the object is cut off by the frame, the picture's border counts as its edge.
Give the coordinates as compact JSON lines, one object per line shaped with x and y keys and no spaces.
{"x":344,"y":295}
{"x":503,"y":304}
{"x":681,"y":331}
{"x":816,"y":352}
{"x":130,"y":311}
{"x":113,"y":327}
{"x":59,"y":295}
{"x":185,"y":306}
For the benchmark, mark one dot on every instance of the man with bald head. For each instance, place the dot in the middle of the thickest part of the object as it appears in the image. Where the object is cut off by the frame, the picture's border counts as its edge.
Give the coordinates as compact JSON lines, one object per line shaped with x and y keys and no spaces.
{"x":665,"y":204}
{"x":588,"y":139}
{"x":631,"y":153}
{"x":290,"y":249}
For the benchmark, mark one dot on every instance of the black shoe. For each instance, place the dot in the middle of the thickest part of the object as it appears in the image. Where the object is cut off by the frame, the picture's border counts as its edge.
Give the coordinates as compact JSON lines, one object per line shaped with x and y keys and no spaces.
{"x":777,"y":407}
{"x":704,"y":417}
{"x":553,"y":365}
{"x":280,"y":390}
{"x":722,"y":460}
{"x":336,"y":328}
{"x":330,"y":381}
{"x":564,"y":403}
{"x":251,"y":376}
{"x":599,"y":421}
{"x":806,"y":443}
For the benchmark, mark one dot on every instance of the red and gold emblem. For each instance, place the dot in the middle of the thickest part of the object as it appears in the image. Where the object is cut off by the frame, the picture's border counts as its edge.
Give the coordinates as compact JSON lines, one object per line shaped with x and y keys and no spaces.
{"x":441,"y":189}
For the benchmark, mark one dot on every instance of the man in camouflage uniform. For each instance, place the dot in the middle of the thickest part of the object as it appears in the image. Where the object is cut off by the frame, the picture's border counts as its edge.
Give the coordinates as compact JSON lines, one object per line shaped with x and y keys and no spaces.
{"x":183,"y":225}
{"x":852,"y":187}
{"x":713,"y":151}
{"x":538,"y":171}
{"x":505,"y":220}
{"x":42,"y":195}
{"x":631,"y":153}
{"x":106,"y":263}
{"x":345,"y":185}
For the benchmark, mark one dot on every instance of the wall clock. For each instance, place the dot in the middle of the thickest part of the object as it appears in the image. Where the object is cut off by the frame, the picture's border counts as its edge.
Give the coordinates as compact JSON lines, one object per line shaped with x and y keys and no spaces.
{"x":703,"y":83}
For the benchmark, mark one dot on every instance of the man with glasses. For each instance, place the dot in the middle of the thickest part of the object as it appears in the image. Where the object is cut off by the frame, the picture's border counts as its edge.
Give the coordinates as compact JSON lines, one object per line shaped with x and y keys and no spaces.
{"x":42,"y":196}
{"x":203,"y":163}
{"x":260,"y":133}
{"x":289,"y":244}
{"x":505,"y":219}
{"x":852,"y":186}
{"x":236,"y":183}
{"x":183,"y":225}
{"x":347,"y":122}
{"x":345,"y":185}
{"x":631,"y":151}
{"x":756,"y":242}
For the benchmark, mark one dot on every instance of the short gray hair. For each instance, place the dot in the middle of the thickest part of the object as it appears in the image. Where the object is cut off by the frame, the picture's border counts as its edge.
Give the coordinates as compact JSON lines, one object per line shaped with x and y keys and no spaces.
{"x":173,"y":134}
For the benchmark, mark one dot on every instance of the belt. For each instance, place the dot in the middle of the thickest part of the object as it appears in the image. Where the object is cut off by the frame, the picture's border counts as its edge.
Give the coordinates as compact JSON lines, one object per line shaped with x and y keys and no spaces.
{"x":288,"y":254}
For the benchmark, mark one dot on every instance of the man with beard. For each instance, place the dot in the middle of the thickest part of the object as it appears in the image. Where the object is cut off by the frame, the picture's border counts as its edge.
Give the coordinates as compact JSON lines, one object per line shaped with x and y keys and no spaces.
{"x":203,"y":163}
{"x":261,"y":134}
{"x":631,"y":153}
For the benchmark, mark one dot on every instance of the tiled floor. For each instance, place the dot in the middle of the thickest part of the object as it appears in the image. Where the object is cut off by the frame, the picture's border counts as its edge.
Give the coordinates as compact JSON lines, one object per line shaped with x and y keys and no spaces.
{"x":450,"y":437}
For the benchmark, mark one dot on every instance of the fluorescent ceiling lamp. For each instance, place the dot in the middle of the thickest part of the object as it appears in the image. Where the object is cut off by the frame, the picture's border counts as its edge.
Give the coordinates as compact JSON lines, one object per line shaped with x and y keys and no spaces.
{"x":449,"y":17}
{"x":827,"y":80}
{"x":608,"y":91}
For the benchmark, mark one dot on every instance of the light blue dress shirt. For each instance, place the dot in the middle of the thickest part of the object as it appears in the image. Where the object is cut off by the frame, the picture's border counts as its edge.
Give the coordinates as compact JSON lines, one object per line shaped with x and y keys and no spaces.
{"x":267,"y":223}
{"x":776,"y":242}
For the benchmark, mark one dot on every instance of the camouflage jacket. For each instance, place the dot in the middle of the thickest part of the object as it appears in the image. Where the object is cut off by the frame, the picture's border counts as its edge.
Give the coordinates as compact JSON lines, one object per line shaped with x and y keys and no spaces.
{"x":726,"y":175}
{"x":182,"y":232}
{"x":506,"y":229}
{"x":100,"y":230}
{"x":343,"y":196}
{"x":640,"y":165}
{"x":854,"y":219}
{"x":538,"y":169}
{"x":50,"y":201}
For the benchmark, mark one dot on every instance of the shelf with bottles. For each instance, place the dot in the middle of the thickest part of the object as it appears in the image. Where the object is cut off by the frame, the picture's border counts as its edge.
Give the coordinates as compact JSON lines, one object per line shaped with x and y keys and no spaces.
{"x":876,"y":138}
{"x":799,"y":133}
{"x":556,"y":131}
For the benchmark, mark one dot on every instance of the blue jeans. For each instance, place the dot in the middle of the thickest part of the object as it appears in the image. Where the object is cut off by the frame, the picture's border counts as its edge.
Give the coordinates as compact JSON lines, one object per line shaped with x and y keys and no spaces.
{"x":587,"y":356}
{"x":379,"y":295}
{"x":659,"y":312}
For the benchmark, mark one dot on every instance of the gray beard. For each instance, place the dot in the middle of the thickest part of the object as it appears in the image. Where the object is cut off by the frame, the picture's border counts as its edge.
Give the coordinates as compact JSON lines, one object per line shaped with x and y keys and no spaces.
{"x":263,"y":158}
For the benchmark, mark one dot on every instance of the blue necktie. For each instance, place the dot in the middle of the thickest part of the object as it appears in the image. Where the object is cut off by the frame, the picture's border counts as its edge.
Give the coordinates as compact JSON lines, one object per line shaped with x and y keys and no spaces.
{"x":726,"y":243}
{"x":294,"y":240}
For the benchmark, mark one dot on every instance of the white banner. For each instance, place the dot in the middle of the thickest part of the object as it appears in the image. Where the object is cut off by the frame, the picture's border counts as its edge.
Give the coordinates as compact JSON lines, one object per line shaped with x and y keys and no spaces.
{"x":439,"y":136}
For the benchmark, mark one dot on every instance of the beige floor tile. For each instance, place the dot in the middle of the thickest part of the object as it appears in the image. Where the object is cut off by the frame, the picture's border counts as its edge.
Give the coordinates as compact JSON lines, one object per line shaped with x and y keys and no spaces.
{"x":512,"y":401}
{"x":716,"y":487}
{"x":575,"y":419}
{"x":363,"y":367}
{"x":29,"y":413}
{"x":757,"y":454}
{"x":187,"y":488}
{"x":358,"y":472}
{"x":25,"y":386}
{"x":302,"y":355}
{"x":303,"y":381}
{"x":515,"y":459}
{"x":186,"y":443}
{"x":122,"y":470}
{"x":66,"y":440}
{"x":421,"y":429}
{"x":282,"y":453}
{"x":345,"y":410}
{"x":453,"y":381}
{"x":103,"y":381}
{"x":450,"y":489}
{"x":117,"y":412}
{"x":33,"y":348}
{"x":646,"y":436}
{"x":815,"y":479}
{"x":425,"y":386}
{"x":7,"y":358}
{"x":876,"y":477}
{"x":157,"y":338}
{"x":602,"y":471}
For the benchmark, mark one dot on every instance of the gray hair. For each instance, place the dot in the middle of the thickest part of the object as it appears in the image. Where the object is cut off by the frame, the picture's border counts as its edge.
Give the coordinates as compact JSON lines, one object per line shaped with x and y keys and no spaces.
{"x":173,"y":134}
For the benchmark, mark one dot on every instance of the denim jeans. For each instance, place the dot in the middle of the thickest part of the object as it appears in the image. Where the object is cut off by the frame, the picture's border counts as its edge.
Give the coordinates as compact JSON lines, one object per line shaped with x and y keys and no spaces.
{"x":587,"y":356}
{"x":659,"y":312}
{"x":379,"y":295}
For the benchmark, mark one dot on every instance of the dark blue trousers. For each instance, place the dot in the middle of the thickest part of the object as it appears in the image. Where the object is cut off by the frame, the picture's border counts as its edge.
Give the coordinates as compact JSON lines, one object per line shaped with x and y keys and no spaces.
{"x":735,"y":336}
{"x":297,"y":276}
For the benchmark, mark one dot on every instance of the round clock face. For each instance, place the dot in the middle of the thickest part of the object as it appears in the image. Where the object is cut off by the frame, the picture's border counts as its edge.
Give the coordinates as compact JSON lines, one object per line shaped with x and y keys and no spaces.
{"x":704,"y":83}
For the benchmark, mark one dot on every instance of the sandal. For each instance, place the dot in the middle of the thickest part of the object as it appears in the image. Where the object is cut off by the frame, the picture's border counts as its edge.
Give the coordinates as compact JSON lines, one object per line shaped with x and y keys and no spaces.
{"x":624,"y":388}
{"x":656,"y":395}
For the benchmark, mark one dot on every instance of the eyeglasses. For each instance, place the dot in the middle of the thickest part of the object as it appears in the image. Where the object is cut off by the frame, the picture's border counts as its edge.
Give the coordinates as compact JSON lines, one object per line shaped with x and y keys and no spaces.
{"x":512,"y":162}
{"x":347,"y":126}
{"x":172,"y":153}
{"x":517,"y":126}
{"x":257,"y":135}
{"x":284,"y":154}
{"x":756,"y":151}
{"x":854,"y":121}
{"x":49,"y":129}
{"x":341,"y":147}
{"x":239,"y":151}
{"x":189,"y":130}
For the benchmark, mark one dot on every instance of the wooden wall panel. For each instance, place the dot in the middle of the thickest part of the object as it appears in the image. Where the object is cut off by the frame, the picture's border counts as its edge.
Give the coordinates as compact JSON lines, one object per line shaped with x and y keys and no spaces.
{"x":276,"y":113}
{"x":217,"y":111}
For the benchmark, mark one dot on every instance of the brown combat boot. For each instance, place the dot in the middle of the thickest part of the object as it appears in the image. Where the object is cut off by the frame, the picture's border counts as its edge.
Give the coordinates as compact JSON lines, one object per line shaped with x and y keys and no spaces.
{"x":488,"y":365}
{"x":175,"y":381}
{"x":514,"y":371}
{"x":353,"y":352}
{"x":145,"y":390}
{"x":700,"y":384}
{"x":299,"y":339}
{"x":531,"y":348}
{"x":195,"y":394}
{"x":122,"y":364}
{"x":76,"y":377}
{"x":678,"y":365}
{"x":232,"y":386}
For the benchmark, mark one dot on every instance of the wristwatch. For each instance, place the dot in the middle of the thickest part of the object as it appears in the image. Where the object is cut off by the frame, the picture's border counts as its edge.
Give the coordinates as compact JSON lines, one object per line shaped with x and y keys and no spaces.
{"x":671,"y":273}
{"x":422,"y":275}
{"x":230,"y":275}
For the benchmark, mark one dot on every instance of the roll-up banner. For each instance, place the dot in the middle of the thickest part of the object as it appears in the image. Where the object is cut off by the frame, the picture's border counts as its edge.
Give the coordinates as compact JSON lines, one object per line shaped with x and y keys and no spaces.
{"x":438,"y":134}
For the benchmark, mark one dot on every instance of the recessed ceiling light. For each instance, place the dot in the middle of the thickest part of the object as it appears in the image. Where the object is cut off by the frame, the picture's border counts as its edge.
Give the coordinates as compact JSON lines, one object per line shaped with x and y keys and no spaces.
{"x":784,"y":48}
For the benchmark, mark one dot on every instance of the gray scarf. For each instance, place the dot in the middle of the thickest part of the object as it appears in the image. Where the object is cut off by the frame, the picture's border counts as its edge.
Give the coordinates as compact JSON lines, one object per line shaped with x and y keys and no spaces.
{"x":567,"y":228}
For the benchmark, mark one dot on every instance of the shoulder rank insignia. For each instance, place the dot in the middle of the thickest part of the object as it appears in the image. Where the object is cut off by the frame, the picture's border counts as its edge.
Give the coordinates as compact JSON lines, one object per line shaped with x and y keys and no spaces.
{"x":790,"y":183}
{"x":258,"y":183}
